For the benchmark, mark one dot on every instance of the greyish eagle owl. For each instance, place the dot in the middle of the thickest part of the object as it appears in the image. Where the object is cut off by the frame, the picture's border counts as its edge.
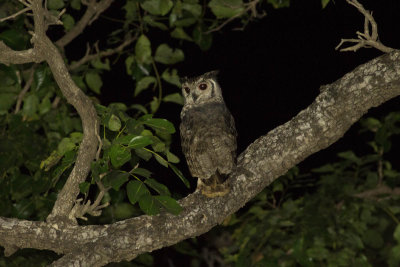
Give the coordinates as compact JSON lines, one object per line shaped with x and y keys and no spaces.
{"x":208,"y":134}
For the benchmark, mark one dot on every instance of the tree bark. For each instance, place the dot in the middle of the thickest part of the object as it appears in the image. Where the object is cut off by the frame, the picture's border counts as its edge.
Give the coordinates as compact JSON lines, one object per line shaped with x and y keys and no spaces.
{"x":338,"y":106}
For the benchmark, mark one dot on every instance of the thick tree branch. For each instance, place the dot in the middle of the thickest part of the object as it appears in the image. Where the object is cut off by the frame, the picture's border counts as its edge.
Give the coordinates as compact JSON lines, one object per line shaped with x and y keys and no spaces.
{"x":94,"y":9}
{"x":9,"y":56}
{"x":44,"y":49}
{"x":87,"y":149}
{"x":338,"y":106}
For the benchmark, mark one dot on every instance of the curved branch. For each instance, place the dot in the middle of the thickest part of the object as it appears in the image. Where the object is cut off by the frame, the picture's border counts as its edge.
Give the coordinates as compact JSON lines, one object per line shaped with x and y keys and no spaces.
{"x":9,"y":56}
{"x":84,"y":106}
{"x":94,"y":9}
{"x":338,"y":106}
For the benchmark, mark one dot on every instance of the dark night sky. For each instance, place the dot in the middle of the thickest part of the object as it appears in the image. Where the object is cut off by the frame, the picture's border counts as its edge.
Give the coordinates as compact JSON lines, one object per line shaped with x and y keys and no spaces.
{"x":273,"y":69}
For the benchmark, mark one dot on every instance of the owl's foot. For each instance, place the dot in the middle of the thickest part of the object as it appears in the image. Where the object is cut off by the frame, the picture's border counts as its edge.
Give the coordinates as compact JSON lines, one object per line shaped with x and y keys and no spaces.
{"x":215,"y":190}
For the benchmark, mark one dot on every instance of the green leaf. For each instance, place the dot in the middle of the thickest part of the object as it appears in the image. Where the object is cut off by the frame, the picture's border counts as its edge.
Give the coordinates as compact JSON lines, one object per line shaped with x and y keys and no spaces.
{"x":131,"y":10}
{"x":31,"y":104}
{"x":349,"y":155}
{"x":226,"y":9}
{"x":371,"y":124}
{"x":134,"y":127}
{"x":186,"y":22}
{"x":142,"y":172}
{"x":174,"y":98}
{"x":55,"y":4}
{"x":94,"y":82}
{"x":76,"y":4}
{"x":123,"y":211}
{"x":135,"y":141}
{"x":373,"y":239}
{"x":158,"y":187}
{"x":154,"y":104}
{"x":203,"y":40}
{"x":172,"y":158}
{"x":144,"y":83}
{"x":96,"y":63}
{"x":180,"y":175}
{"x":158,"y":146}
{"x":193,"y":8}
{"x":166,"y":55}
{"x":44,"y":106}
{"x":7,"y":101}
{"x":171,"y":77}
{"x":129,"y":62}
{"x":161,"y":160}
{"x":21,"y":186}
{"x":279,"y":3}
{"x":139,"y":107}
{"x":396,"y":233}
{"x":149,"y":20}
{"x":149,"y":205}
{"x":170,"y":204}
{"x":115,"y":179}
{"x":65,"y":145}
{"x":15,"y":39}
{"x":135,"y":190}
{"x":324,"y":3}
{"x":68,"y":22}
{"x":157,"y":7}
{"x":161,"y":125}
{"x":142,"y":153}
{"x":179,"y":33}
{"x":84,"y":187}
{"x":143,"y":50}
{"x":114,"y":123}
{"x":119,"y":155}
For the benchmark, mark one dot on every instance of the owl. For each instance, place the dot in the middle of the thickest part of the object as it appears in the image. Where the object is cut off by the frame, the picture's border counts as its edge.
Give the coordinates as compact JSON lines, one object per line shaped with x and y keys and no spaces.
{"x":208,"y":134}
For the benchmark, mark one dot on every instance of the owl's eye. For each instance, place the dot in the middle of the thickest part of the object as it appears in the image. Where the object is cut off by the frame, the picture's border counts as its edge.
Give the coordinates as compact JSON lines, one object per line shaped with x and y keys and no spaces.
{"x":203,"y":86}
{"x":187,"y":89}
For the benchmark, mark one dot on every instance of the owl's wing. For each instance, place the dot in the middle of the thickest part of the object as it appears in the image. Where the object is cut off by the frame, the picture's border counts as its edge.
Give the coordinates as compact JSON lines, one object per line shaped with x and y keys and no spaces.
{"x":209,"y":140}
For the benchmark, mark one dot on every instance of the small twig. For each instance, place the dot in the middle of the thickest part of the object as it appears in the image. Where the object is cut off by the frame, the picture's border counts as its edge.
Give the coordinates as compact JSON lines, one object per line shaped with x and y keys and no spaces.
{"x":100,"y":144}
{"x":55,"y":102}
{"x":16,"y":14}
{"x":24,"y":90}
{"x":95,"y":209}
{"x":365,"y":39}
{"x":378,"y":191}
{"x":380,"y":167}
{"x":94,"y":9}
{"x":88,"y":57}
{"x":251,"y":6}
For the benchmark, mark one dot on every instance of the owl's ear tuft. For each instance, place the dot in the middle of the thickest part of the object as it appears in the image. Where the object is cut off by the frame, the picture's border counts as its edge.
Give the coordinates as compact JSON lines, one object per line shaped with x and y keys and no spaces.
{"x":211,"y":74}
{"x":183,"y":80}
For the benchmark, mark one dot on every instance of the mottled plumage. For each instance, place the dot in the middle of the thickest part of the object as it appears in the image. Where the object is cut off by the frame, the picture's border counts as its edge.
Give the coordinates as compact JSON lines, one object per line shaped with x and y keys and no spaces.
{"x":208,"y":134}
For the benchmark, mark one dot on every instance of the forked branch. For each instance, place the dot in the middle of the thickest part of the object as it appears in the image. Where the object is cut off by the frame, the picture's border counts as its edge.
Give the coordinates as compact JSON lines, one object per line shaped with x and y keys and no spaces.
{"x":366,"y":39}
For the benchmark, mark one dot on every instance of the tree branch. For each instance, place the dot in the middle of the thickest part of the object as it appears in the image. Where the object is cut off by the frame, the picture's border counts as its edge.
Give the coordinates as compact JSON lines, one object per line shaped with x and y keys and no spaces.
{"x":27,"y":85}
{"x":379,"y":191}
{"x":88,"y":57}
{"x":251,"y":6}
{"x":365,"y":39}
{"x":94,"y":9}
{"x":325,"y":121}
{"x":44,"y":49}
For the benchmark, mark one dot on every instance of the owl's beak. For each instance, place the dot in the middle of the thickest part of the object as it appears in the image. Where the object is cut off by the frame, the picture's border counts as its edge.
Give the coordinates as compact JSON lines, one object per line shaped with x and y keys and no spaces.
{"x":194,"y":96}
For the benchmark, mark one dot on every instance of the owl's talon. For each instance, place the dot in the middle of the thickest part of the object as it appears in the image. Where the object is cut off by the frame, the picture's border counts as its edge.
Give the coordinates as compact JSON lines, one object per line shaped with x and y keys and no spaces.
{"x":219,"y":190}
